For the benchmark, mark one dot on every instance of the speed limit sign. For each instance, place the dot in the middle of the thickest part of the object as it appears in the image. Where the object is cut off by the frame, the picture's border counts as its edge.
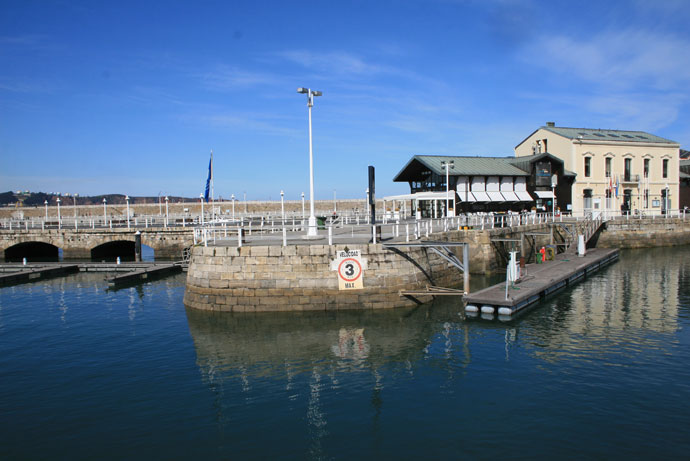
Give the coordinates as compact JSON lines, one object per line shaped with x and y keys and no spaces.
{"x":350,"y":269}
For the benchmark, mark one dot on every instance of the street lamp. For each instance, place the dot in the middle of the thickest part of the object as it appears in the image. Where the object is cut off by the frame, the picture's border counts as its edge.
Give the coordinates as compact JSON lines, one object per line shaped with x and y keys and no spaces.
{"x":232,"y":197}
{"x":245,"y":202}
{"x":303,"y":213}
{"x":59,"y":219}
{"x":46,"y":204}
{"x":201,"y":199}
{"x":127,"y":198}
{"x":166,"y":210}
{"x":448,"y":164}
{"x":282,"y":205}
{"x":74,"y":196}
{"x":105,"y":214}
{"x":335,"y":205}
{"x":312,"y":232}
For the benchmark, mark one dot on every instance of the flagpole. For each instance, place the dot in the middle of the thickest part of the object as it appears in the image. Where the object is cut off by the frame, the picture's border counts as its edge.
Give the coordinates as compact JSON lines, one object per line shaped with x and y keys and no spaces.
{"x":212,"y":198}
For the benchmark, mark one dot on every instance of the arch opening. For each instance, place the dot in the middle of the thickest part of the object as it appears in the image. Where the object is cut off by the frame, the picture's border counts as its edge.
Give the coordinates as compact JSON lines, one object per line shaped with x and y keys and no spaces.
{"x":33,"y":252}
{"x":110,"y":251}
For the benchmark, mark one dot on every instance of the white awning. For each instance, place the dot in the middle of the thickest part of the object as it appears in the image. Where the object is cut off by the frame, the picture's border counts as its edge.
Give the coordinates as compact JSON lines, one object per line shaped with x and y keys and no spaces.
{"x":466,"y":196}
{"x":434,"y":196}
{"x":496,"y":196}
{"x":481,"y":196}
{"x":524,"y":196}
{"x":510,"y":196}
{"x":544,"y":193}
{"x":431,"y":195}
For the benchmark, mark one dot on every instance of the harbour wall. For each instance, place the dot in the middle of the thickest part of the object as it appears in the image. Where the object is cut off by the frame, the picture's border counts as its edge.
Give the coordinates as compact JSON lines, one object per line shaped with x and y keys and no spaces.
{"x":644,"y":233}
{"x":300,"y":278}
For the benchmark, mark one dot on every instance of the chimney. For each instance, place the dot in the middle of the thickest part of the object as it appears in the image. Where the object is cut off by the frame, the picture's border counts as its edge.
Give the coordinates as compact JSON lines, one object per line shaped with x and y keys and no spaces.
{"x":551,"y":124}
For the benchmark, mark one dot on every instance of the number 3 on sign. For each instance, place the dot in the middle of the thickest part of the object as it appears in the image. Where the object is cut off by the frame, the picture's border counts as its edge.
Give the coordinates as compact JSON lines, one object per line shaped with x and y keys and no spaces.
{"x":350,"y":274}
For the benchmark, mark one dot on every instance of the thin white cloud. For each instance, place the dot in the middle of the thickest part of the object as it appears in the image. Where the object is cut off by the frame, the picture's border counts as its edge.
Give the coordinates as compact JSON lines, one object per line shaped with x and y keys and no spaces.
{"x":616,"y":59}
{"x":249,"y":122}
{"x":336,"y":62}
{"x":230,"y":78}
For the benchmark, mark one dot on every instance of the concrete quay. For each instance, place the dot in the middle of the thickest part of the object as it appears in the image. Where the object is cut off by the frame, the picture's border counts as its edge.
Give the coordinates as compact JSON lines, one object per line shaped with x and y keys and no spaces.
{"x":268,"y":273}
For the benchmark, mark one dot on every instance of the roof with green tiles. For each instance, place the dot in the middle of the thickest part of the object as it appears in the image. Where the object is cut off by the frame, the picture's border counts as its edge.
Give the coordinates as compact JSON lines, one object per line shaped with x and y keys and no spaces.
{"x":462,"y":166}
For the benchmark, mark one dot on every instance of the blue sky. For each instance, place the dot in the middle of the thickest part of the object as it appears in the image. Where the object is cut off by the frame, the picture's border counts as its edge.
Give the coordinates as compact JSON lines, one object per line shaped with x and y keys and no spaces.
{"x":130,"y":97}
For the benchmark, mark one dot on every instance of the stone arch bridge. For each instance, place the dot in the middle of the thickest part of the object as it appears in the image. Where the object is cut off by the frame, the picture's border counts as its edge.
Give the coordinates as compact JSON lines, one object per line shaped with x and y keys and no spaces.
{"x":92,"y":243}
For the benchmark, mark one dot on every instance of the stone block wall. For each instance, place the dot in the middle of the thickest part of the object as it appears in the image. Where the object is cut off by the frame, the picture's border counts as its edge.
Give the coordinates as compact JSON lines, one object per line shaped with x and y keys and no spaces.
{"x":645,"y":233}
{"x":297,"y":278}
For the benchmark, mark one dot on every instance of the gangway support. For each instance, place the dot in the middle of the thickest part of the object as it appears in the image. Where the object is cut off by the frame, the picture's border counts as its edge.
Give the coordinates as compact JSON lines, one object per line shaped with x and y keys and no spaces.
{"x":443,"y":249}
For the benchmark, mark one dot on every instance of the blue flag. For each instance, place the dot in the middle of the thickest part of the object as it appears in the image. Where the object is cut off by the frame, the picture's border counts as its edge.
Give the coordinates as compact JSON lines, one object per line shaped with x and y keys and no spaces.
{"x":210,"y":176}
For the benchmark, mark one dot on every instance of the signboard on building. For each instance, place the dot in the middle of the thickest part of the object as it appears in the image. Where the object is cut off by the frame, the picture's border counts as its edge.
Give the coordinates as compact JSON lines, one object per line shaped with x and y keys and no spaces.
{"x":543,"y":174}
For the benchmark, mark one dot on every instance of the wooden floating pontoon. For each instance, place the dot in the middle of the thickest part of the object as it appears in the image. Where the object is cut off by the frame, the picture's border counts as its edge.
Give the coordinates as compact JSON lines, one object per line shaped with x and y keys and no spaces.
{"x":536,"y":282}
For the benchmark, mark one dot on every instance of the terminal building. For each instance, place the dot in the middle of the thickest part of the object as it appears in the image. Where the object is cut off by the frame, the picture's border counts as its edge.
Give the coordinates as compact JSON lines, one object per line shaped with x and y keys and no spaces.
{"x":575,"y":170}
{"x":485,"y":184}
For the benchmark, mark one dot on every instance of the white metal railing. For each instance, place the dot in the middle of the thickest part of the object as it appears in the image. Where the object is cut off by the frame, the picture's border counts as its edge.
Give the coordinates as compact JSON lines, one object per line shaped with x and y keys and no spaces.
{"x":229,"y":232}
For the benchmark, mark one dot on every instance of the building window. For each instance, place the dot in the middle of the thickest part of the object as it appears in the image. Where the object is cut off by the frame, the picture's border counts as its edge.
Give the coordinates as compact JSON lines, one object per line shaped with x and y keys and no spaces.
{"x":608,"y":167}
{"x":587,"y":197}
{"x":646,"y":168}
{"x":628,"y":167}
{"x":588,"y":167}
{"x":646,"y":198}
{"x":664,"y":168}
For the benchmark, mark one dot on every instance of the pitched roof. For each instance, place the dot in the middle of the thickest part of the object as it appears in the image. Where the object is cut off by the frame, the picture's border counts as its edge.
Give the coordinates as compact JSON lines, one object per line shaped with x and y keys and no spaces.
{"x":597,"y":134}
{"x":463,"y":166}
{"x":607,"y":135}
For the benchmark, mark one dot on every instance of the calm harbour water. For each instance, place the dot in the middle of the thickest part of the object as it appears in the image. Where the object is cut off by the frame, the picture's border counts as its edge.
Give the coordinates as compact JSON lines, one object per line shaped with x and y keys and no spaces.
{"x":601,"y":370}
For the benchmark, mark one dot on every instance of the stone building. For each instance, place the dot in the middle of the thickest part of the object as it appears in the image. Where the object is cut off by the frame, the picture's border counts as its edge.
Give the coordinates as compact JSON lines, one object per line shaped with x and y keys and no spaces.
{"x":615,"y":171}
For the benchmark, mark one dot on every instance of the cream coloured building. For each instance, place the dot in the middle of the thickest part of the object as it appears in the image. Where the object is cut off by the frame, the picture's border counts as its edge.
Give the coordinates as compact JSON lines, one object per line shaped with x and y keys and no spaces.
{"x":616,"y":171}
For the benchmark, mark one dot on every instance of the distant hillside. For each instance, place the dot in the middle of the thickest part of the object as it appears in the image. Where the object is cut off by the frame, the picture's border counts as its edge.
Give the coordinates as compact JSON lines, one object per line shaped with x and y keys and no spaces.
{"x":39,"y":198}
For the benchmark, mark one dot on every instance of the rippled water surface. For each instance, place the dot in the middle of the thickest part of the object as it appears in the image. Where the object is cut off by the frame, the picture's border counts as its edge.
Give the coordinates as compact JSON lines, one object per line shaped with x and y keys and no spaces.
{"x":601,"y":370}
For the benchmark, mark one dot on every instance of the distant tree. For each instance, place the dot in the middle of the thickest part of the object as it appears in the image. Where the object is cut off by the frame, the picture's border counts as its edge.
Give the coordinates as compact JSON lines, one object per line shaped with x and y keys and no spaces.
{"x":37,"y":198}
{"x":7,"y":198}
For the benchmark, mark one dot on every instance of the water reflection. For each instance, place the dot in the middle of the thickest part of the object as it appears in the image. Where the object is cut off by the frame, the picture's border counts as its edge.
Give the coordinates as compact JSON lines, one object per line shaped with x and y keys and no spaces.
{"x":612,"y":311}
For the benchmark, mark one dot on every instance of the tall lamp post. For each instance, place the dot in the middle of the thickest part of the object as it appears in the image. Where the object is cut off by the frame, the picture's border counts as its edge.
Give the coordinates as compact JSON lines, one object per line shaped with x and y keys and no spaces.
{"x":282,"y":205}
{"x":166,"y":210}
{"x":232,"y":197}
{"x":46,"y":204}
{"x":335,"y":203}
{"x":312,"y":232}
{"x":303,"y":212}
{"x":201,"y":218}
{"x":449,"y":164}
{"x":59,"y":218}
{"x":105,"y":213}
{"x":127,"y":199}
